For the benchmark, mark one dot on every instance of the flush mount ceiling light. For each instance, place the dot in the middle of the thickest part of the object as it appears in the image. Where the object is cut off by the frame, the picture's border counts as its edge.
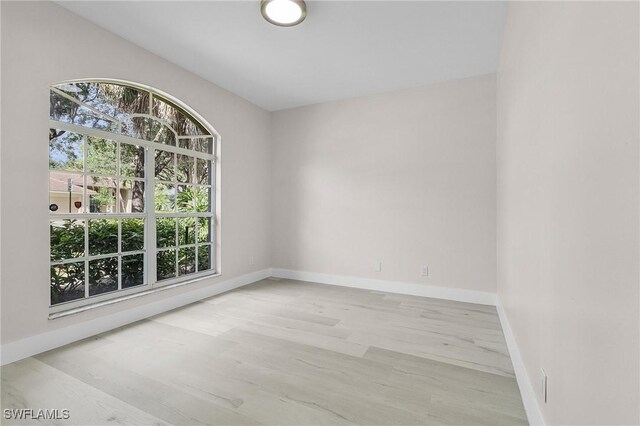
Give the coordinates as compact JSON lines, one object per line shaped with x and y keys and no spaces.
{"x":284,"y":13}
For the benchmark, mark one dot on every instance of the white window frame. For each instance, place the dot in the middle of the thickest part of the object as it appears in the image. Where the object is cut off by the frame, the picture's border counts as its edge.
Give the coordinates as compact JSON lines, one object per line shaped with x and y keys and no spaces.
{"x":150,"y":283}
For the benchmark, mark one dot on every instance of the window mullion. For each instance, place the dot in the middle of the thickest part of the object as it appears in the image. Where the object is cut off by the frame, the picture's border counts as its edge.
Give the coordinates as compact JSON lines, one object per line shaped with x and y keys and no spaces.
{"x":85,"y":196}
{"x":150,"y":223}
{"x":213,"y":226}
{"x":119,"y":253}
{"x":175,"y":210}
{"x":196,"y":230}
{"x":118,"y":194}
{"x":86,"y":262}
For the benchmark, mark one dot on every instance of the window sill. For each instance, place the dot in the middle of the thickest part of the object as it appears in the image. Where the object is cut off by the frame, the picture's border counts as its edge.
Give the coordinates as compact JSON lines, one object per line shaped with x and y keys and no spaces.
{"x":84,"y":308}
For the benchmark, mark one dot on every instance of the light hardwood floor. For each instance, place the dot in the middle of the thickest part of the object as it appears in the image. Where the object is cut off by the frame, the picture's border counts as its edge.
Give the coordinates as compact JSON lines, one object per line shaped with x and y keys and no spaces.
{"x":283,"y":352}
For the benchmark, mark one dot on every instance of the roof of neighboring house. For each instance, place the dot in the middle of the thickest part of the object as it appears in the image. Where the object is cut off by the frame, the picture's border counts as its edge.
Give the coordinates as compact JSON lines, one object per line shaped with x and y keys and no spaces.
{"x":58,"y":182}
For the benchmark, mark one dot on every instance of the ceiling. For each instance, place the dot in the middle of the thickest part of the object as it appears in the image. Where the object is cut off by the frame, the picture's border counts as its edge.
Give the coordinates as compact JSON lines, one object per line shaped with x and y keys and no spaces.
{"x":343,"y":49}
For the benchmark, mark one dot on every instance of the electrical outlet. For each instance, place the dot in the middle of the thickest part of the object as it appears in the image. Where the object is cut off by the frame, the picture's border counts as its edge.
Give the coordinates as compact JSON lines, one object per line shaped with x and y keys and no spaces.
{"x":378,"y":267}
{"x":251,"y":261}
{"x":544,"y":385}
{"x":424,"y":271}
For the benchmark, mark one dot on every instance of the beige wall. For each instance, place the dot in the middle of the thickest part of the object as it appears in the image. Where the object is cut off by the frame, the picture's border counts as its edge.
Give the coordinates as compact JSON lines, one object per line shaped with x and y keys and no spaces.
{"x":42,"y":43}
{"x":568,"y":136}
{"x":407,"y":178}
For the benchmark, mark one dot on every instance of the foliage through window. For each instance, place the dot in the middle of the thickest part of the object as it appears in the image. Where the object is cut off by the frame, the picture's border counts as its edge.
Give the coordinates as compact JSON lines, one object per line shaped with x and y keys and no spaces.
{"x":131,"y":191}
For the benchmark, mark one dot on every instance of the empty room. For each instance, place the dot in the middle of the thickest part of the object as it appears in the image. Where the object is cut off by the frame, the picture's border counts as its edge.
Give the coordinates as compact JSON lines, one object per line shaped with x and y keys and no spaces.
{"x":319,"y":212}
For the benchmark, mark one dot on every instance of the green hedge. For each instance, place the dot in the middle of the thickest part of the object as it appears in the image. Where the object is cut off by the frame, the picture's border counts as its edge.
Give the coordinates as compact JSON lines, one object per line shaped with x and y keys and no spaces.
{"x":67,"y":243}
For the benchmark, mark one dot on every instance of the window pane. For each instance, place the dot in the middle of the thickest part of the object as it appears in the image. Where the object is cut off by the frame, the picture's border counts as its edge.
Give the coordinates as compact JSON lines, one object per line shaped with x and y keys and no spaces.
{"x":112,"y":99}
{"x":187,"y":260}
{"x":103,"y":275}
{"x":148,"y":129}
{"x":202,"y":145}
{"x":186,"y":230}
{"x":65,"y":192}
{"x":202,"y":200}
{"x":67,"y":111}
{"x":61,"y":108}
{"x":204,"y":257}
{"x":176,"y":117}
{"x":132,"y":270}
{"x":166,"y":266}
{"x":101,"y":193}
{"x":204,"y":166}
{"x":67,"y":239}
{"x":131,"y":160}
{"x":186,"y":169}
{"x":67,"y":282}
{"x":165,"y":166}
{"x":66,"y":150}
{"x":185,"y":199}
{"x":132,"y":235}
{"x":101,"y":156}
{"x":165,"y":198}
{"x":165,"y":232}
{"x":103,"y":236}
{"x":131,"y":196}
{"x":204,"y":229}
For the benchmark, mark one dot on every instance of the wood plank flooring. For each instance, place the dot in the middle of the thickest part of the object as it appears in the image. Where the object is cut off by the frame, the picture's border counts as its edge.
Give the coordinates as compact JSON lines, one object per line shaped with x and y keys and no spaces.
{"x":282,"y":352}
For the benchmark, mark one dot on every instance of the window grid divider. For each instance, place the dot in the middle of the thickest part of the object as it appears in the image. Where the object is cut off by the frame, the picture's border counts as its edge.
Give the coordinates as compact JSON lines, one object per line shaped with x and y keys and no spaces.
{"x":152,"y":256}
{"x":95,"y":257}
{"x":119,"y":254}
{"x":104,"y":134}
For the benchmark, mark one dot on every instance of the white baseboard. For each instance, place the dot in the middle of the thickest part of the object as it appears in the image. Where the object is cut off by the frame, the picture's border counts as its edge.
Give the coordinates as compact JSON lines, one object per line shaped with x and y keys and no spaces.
{"x":29,"y":346}
{"x":424,"y":290}
{"x":534,"y":415}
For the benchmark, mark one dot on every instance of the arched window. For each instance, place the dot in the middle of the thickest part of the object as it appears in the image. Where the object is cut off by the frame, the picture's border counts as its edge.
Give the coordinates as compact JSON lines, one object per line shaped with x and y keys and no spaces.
{"x":131,"y":192}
